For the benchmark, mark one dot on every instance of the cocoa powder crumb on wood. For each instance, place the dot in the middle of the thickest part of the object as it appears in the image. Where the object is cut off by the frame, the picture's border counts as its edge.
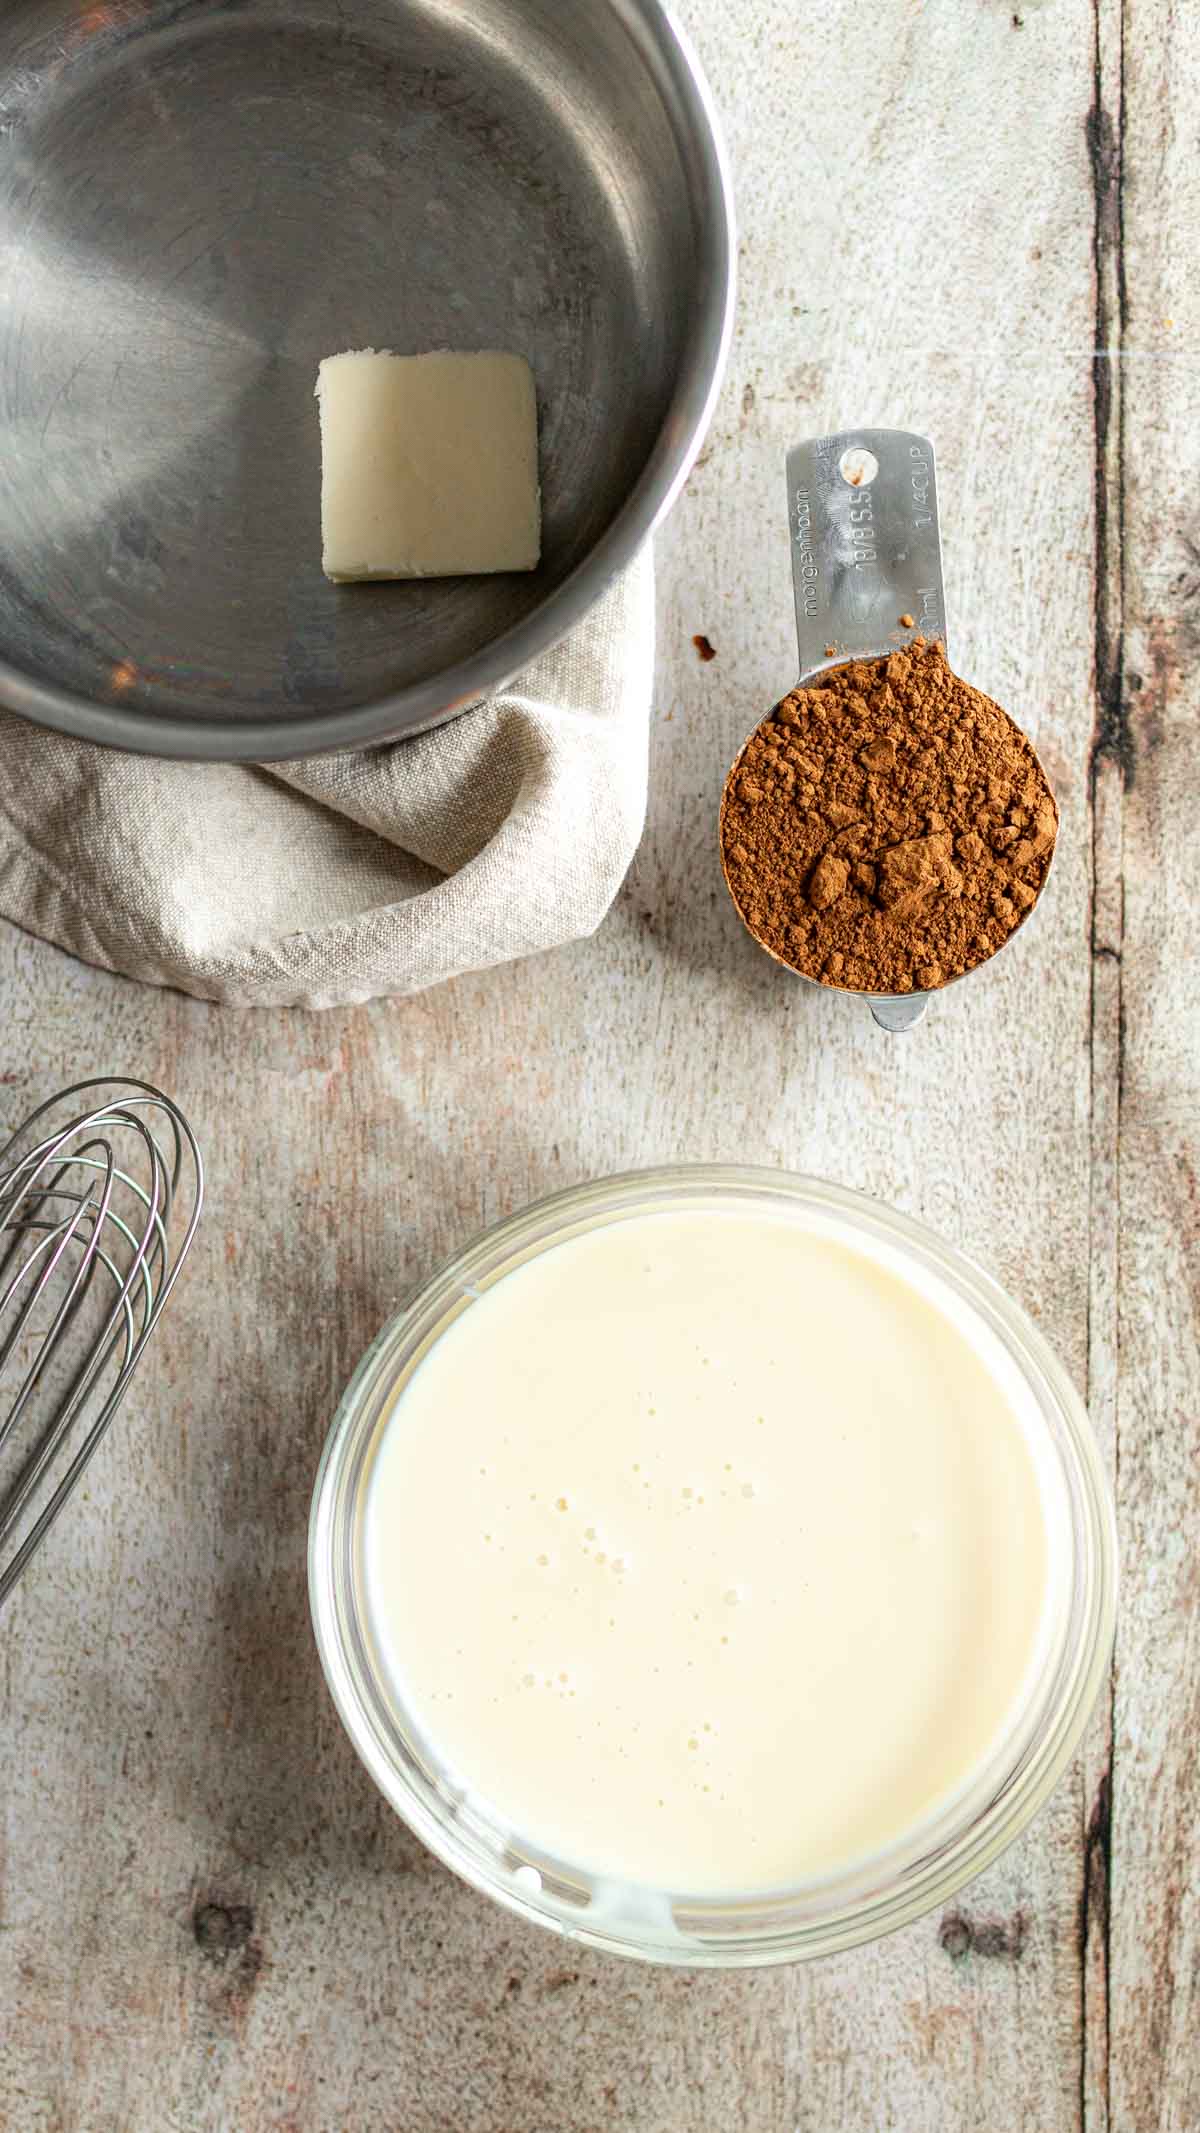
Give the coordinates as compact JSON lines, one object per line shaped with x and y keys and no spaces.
{"x":886,"y":829}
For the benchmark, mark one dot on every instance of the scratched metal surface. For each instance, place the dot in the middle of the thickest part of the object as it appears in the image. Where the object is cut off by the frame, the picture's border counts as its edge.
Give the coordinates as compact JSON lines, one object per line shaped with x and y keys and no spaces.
{"x":209,"y":1922}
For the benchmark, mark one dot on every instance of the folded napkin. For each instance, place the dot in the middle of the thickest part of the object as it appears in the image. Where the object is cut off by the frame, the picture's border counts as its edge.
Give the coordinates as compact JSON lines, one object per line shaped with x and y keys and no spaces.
{"x":332,"y":881}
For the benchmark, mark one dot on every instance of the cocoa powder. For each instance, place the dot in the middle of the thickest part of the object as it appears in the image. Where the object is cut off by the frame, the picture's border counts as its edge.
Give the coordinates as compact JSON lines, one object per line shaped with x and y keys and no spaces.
{"x":887,"y":828}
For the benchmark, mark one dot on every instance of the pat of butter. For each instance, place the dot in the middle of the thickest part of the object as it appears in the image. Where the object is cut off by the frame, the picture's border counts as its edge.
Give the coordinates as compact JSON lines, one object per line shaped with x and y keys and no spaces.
{"x":429,"y":465}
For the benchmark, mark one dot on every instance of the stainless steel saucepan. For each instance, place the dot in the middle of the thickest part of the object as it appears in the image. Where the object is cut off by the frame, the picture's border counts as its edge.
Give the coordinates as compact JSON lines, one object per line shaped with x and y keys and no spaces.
{"x":201,"y":198}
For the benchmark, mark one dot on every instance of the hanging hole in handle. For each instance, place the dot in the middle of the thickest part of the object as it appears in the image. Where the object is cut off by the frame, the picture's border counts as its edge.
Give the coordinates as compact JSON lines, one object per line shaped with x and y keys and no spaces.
{"x":858,"y":467}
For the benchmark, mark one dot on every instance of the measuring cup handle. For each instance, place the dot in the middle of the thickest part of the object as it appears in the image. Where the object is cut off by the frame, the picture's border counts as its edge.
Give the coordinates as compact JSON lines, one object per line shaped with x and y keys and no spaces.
{"x":899,"y":1011}
{"x":863,"y":516}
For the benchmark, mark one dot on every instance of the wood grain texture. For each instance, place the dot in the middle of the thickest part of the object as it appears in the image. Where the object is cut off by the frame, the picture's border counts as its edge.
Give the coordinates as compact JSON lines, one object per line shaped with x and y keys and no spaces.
{"x":1154,"y":733}
{"x":209,"y":1923}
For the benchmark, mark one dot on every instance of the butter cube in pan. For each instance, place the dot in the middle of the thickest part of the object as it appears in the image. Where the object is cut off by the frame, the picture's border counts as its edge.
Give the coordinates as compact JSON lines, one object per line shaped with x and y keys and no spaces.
{"x":429,"y":465}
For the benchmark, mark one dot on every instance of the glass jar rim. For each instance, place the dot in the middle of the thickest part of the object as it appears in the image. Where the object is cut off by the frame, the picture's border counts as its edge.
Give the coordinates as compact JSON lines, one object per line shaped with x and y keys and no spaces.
{"x":702,"y":1932}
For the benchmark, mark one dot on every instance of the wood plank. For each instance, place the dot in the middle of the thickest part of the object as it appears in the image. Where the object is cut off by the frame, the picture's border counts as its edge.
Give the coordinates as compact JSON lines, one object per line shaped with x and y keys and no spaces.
{"x":1155,"y":737}
{"x":210,"y":1920}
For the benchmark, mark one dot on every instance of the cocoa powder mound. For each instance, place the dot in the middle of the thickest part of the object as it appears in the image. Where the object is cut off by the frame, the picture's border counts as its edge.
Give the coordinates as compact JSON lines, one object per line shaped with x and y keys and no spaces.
{"x":887,"y":828}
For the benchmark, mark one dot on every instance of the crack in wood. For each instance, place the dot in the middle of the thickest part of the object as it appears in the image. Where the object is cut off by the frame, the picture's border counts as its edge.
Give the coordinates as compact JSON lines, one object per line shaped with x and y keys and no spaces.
{"x":1112,"y":738}
{"x":1097,"y":1859}
{"x":1095,"y":1903}
{"x":1112,"y":769}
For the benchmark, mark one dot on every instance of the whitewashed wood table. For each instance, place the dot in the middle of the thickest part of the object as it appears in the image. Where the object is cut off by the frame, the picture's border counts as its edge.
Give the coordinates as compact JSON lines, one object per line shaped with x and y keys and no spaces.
{"x":956,"y":216}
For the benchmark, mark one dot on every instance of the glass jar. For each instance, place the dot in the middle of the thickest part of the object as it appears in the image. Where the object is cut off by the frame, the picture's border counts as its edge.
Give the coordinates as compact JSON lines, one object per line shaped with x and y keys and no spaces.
{"x":819,"y":1916}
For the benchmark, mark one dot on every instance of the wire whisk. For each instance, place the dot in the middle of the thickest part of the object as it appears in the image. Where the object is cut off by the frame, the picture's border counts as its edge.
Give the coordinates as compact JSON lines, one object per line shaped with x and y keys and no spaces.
{"x":98,"y":1210}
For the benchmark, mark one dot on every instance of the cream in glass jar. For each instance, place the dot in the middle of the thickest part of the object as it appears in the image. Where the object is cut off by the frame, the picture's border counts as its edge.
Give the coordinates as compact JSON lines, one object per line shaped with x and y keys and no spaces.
{"x":714,"y":1566}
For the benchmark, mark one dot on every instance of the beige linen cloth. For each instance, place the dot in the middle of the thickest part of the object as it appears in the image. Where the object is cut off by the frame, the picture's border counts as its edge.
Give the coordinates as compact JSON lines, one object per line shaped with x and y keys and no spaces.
{"x":332,"y":881}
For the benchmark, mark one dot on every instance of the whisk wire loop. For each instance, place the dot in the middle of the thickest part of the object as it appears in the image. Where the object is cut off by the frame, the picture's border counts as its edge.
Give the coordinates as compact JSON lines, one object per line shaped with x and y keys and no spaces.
{"x":71,"y":1212}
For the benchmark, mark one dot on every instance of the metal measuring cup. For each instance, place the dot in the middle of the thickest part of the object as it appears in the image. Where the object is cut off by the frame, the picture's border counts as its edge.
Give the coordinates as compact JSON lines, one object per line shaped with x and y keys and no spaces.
{"x":866,"y":550}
